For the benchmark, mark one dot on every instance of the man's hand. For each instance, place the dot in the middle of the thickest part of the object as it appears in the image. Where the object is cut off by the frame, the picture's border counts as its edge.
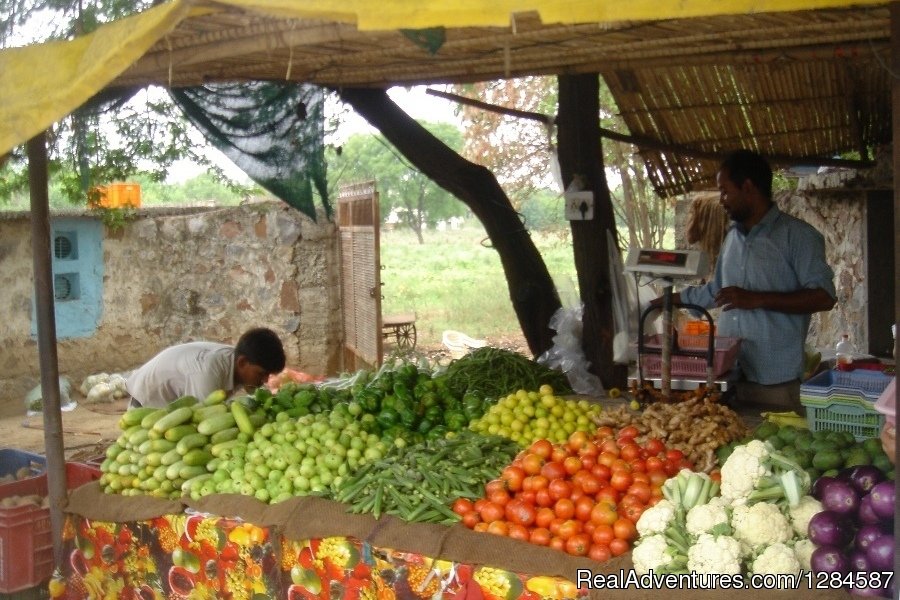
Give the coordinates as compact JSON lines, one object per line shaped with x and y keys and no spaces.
{"x":733,"y":297}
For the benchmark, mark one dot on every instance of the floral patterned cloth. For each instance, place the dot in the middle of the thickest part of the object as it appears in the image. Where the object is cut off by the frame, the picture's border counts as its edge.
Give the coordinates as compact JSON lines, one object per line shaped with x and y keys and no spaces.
{"x":194,"y":557}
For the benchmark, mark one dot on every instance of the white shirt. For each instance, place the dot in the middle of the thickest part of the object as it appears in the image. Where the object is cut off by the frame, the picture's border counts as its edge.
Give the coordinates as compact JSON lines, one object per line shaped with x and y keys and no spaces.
{"x":195,"y":368}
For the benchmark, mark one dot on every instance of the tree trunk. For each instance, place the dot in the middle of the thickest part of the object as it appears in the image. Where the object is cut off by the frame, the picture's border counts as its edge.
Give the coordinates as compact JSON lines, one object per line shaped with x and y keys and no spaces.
{"x":580,"y":155}
{"x":531,"y":290}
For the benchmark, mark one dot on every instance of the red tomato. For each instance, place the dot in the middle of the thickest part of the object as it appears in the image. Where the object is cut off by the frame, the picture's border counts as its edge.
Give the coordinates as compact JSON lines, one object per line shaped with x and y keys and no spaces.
{"x":559,"y":454}
{"x":641,"y":476}
{"x":638,"y":465}
{"x":629,"y":432}
{"x":481,"y":526}
{"x":532,"y":463}
{"x":632,"y":512}
{"x":463,"y":505}
{"x":657,"y":477}
{"x":590,"y":483}
{"x":498,"y":528}
{"x":544,"y":516}
{"x":674,"y":455}
{"x":610,"y":446}
{"x":542,"y":448}
{"x":471,"y":519}
{"x":564,"y":508}
{"x":589,"y":449}
{"x":555,"y":524}
{"x":618,"y":547}
{"x":603,"y":534}
{"x":671,"y":468}
{"x":583,"y":508}
{"x":716,"y":475}
{"x":624,"y":529}
{"x":553,"y":470}
{"x":603,"y":472}
{"x":654,"y":463}
{"x":539,"y":536}
{"x":499,"y":497}
{"x":620,"y":481}
{"x":599,"y":552}
{"x":588,"y":462}
{"x":557,"y":543}
{"x":560,"y":488}
{"x":608,"y":494}
{"x":654,"y":446}
{"x":569,"y":528}
{"x":479,"y":504}
{"x":641,"y":490}
{"x":607,"y":459}
{"x":578,"y":544}
{"x":572,"y":464}
{"x":518,"y":532}
{"x":577,"y":493}
{"x":604,"y":432}
{"x":587,"y":527}
{"x":527,"y":497}
{"x":520,"y":513}
{"x":603,"y":513}
{"x":543,"y":498}
{"x":577,"y":441}
{"x":493,"y":485}
{"x":539,"y":482}
{"x":512,"y":477}
{"x":685,"y":464}
{"x":630,"y":451}
{"x":491,"y":512}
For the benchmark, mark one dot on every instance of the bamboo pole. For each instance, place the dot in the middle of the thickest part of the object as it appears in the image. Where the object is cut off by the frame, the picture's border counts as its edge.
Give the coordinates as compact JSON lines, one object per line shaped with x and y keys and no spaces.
{"x":46,"y":336}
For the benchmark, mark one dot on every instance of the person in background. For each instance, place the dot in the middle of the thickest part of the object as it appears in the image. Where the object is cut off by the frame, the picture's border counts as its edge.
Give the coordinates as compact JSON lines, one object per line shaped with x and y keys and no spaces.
{"x":770,"y":276}
{"x":200,"y":368}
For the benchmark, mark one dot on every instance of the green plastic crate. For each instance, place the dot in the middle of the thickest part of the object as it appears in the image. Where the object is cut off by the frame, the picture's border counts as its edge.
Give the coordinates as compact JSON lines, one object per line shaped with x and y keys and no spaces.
{"x":842,"y":413}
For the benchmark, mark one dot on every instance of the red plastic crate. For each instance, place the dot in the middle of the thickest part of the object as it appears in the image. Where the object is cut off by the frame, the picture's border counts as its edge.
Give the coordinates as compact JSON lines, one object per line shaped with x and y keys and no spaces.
{"x":694,"y":365}
{"x":26,"y":542}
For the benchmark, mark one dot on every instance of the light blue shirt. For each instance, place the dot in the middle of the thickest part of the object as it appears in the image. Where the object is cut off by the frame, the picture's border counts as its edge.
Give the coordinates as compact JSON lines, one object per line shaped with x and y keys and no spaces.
{"x":780,"y":254}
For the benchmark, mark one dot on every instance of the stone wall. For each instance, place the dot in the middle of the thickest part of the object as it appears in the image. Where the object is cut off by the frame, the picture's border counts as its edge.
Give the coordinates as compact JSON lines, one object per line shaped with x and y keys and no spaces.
{"x":174,"y":276}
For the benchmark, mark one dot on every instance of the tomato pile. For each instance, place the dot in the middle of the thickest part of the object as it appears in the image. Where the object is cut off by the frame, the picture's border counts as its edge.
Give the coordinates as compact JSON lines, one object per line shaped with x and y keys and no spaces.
{"x":582,"y":497}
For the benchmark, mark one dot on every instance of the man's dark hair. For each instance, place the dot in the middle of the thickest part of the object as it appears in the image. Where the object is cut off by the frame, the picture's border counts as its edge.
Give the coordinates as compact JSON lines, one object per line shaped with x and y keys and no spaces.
{"x":262,"y":347}
{"x":742,"y":165}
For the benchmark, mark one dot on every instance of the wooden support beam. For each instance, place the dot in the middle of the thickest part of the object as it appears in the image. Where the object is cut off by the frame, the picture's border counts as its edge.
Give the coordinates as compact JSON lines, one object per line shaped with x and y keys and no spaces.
{"x":646,"y":143}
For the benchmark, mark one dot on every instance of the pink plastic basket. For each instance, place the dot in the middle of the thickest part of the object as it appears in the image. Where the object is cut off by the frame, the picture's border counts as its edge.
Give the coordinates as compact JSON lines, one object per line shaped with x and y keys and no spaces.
{"x":693,"y":365}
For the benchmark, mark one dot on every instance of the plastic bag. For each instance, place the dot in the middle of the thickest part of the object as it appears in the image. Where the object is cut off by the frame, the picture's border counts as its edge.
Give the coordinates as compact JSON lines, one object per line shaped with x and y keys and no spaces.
{"x":34,"y":403}
{"x":566,"y":353}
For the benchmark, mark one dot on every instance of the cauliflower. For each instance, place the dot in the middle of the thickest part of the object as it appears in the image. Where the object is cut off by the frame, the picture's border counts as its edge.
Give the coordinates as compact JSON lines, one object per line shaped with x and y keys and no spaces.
{"x":652,"y":553}
{"x":803,"y":512}
{"x":743,"y":470}
{"x":709,"y":518}
{"x":756,"y":472}
{"x":712,"y":554}
{"x":760,"y":525}
{"x":777,"y":558}
{"x":803,"y":549}
{"x":656,"y":518}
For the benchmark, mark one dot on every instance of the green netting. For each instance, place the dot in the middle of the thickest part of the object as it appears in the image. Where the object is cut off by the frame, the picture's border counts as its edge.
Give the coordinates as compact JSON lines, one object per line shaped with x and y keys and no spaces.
{"x":273,"y":131}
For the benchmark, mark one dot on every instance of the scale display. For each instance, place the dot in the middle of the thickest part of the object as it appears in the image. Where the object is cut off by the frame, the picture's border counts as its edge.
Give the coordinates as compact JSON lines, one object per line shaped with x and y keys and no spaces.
{"x":681,"y":264}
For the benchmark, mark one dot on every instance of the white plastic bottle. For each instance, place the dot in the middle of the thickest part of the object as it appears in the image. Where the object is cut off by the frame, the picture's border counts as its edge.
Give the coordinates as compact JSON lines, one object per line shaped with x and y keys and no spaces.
{"x":843,"y":352}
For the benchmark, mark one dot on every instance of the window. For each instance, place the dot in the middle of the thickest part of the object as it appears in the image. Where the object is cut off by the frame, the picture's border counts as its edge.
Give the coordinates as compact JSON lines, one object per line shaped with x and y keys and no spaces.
{"x":66,"y":287}
{"x":65,"y":245}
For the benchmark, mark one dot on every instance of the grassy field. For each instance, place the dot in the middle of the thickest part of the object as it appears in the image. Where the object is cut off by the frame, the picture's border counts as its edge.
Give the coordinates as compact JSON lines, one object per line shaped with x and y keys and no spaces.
{"x":452,"y":281}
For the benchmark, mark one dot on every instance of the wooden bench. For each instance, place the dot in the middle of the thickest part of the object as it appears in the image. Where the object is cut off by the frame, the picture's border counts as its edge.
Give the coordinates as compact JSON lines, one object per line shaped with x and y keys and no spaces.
{"x":401,"y":327}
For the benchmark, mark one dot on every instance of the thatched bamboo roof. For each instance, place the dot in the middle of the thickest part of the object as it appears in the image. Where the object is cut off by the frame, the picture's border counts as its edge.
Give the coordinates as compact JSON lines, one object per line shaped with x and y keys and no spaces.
{"x":794,"y":85}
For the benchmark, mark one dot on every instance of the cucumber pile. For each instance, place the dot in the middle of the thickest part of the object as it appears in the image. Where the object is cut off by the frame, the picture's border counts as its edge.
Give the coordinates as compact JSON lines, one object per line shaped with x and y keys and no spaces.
{"x":162,"y":451}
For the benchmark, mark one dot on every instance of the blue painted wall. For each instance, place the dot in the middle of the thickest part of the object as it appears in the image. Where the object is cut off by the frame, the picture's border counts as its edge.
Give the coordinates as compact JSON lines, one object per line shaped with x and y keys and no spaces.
{"x":79,"y":316}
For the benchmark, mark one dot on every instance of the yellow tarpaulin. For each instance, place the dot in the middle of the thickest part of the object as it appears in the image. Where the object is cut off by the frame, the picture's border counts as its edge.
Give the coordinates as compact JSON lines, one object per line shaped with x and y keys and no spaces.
{"x":41,"y":84}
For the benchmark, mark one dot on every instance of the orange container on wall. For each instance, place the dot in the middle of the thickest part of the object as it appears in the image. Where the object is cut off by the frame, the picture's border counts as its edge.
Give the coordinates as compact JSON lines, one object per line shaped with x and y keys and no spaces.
{"x":116,"y":195}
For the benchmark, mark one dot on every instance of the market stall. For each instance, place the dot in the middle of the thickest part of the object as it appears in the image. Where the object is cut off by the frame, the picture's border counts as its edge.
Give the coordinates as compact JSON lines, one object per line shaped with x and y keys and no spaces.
{"x":387,"y":484}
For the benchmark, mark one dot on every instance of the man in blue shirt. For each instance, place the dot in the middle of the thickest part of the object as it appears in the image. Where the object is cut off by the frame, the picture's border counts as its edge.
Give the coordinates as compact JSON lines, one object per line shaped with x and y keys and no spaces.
{"x":770,"y":277}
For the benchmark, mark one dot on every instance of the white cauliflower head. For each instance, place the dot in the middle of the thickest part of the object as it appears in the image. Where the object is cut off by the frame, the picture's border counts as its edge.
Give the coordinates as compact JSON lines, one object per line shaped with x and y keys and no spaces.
{"x":803,"y":512}
{"x":715,"y":554}
{"x":760,"y":525}
{"x":651,"y":554}
{"x":803,"y":550}
{"x":656,"y":518}
{"x":743,"y":470}
{"x":708,"y":518}
{"x":776,"y":558}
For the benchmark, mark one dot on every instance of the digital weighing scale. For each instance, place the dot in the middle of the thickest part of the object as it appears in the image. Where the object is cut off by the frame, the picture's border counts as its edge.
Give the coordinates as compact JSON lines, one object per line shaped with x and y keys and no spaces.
{"x":670,"y":265}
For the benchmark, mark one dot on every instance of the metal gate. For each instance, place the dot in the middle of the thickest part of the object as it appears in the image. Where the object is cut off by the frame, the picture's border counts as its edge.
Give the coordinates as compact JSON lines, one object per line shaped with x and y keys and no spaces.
{"x":358,"y":221}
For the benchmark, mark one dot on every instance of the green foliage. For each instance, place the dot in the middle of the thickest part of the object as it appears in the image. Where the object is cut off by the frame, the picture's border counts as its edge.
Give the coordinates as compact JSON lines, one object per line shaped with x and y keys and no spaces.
{"x":403,"y":189}
{"x":115,"y":218}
